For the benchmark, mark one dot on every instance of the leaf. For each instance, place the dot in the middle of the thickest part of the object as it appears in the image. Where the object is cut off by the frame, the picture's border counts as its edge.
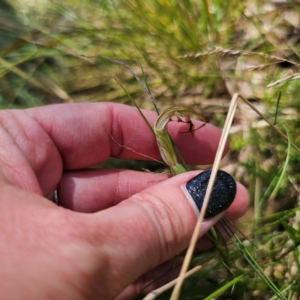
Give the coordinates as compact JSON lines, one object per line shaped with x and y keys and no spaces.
{"x":292,"y":232}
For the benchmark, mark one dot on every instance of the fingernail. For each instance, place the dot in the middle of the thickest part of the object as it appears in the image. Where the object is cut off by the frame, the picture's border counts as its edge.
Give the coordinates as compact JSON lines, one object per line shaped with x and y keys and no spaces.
{"x":222,"y":195}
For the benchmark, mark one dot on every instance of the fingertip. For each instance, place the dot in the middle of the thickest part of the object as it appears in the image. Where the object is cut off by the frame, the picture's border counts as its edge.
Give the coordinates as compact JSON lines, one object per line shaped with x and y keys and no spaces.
{"x":240,"y":203}
{"x":222,"y":194}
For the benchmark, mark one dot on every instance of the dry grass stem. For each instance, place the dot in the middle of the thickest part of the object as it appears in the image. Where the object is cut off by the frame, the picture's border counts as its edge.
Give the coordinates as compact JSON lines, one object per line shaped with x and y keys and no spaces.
{"x":176,"y":292}
{"x":290,"y":77}
{"x":132,"y":150}
{"x":167,"y":286}
{"x":238,"y":53}
{"x":269,"y":122}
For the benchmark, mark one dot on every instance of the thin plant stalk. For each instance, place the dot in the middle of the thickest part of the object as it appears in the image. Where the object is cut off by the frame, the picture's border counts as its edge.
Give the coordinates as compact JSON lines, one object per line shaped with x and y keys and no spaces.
{"x":224,"y":287}
{"x":286,"y":163}
{"x":153,"y":294}
{"x":176,"y":292}
{"x":269,"y":122}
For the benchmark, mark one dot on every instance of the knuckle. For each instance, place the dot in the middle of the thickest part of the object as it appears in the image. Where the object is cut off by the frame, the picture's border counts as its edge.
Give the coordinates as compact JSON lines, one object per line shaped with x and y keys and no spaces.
{"x":165,"y":221}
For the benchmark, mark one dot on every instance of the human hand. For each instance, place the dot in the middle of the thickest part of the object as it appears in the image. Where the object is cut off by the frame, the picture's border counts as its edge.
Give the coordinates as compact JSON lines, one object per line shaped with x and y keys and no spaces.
{"x":140,"y":219}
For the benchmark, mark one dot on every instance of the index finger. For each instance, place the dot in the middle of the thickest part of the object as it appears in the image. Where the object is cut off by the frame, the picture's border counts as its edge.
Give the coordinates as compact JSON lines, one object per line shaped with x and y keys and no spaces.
{"x":86,"y":134}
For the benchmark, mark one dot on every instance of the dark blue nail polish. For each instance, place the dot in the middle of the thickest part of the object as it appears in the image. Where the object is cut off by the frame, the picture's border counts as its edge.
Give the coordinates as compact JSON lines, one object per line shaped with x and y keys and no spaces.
{"x":222,"y":195}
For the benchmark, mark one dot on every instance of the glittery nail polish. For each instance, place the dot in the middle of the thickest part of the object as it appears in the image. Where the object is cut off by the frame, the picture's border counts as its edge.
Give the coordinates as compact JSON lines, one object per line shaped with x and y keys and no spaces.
{"x":223,"y":192}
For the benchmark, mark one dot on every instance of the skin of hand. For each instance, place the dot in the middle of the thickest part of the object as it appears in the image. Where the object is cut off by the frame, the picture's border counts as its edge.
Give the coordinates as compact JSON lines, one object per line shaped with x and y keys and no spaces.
{"x":113,"y":230}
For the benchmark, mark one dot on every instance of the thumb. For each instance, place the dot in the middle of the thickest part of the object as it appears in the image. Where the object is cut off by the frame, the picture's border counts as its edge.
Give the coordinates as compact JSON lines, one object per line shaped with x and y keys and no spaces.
{"x":147,"y":229}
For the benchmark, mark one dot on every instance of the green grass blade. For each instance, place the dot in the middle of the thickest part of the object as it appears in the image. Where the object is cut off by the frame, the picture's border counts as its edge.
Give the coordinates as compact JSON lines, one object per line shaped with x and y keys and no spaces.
{"x":292,"y":232}
{"x":135,"y":104}
{"x":148,"y":88}
{"x":277,"y":107}
{"x":273,"y":195}
{"x":278,"y":179}
{"x":147,"y":91}
{"x":224,"y":288}
{"x":250,"y":259}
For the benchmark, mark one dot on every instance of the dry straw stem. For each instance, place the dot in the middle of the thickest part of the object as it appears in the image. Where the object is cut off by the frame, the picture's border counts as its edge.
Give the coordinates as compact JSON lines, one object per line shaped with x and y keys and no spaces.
{"x":238,"y":53}
{"x":176,"y":292}
{"x":131,"y":149}
{"x":269,"y":122}
{"x":290,"y":77}
{"x":155,"y":293}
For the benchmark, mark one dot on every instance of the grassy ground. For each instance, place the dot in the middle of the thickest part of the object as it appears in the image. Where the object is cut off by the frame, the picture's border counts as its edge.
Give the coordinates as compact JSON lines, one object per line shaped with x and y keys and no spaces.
{"x":196,"y":53}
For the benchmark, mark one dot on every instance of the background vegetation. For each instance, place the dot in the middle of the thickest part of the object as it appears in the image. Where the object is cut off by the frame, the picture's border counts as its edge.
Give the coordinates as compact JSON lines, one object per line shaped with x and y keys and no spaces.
{"x":196,"y":53}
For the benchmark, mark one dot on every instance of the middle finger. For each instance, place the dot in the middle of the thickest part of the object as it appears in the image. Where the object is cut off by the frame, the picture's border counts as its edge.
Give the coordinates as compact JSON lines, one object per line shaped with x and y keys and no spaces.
{"x":94,"y":190}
